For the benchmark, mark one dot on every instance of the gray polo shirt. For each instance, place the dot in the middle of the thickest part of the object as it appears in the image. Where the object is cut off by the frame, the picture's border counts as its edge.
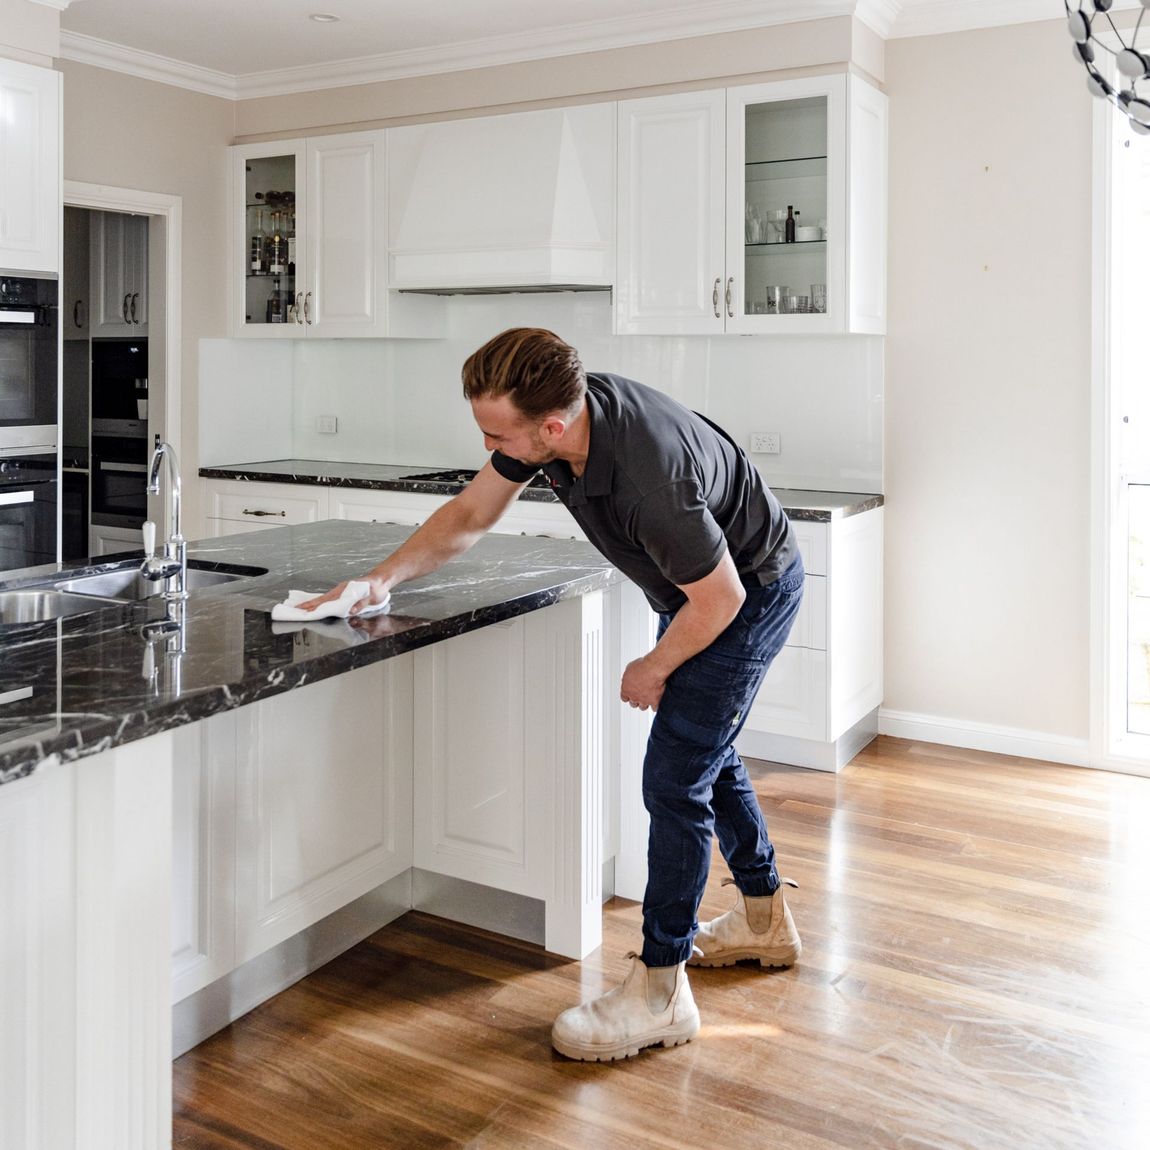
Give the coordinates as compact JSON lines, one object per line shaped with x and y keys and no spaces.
{"x":665,"y":492}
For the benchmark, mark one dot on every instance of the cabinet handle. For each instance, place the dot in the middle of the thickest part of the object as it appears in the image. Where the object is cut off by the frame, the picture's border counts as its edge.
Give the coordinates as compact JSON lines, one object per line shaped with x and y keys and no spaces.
{"x":299,"y":307}
{"x":731,"y":297}
{"x":124,"y":308}
{"x":135,"y":296}
{"x":715,"y":300}
{"x":307,"y":308}
{"x":283,"y":514}
{"x":76,"y":314}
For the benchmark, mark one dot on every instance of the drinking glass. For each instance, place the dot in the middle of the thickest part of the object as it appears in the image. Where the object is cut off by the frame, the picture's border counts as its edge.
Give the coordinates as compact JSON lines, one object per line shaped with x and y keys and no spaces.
{"x":819,"y":297}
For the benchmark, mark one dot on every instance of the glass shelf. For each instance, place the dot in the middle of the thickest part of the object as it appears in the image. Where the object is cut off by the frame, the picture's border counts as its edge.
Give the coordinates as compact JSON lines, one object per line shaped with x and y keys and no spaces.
{"x":761,"y":248}
{"x":790,"y":169}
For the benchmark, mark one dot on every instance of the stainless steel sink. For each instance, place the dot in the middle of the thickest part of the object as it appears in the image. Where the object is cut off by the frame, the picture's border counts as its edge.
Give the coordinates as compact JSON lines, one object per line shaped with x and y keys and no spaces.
{"x":35,"y":605}
{"x":128,"y":583}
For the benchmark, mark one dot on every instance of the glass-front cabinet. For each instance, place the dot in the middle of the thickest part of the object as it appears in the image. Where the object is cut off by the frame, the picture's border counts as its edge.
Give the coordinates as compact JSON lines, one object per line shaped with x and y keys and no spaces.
{"x":754,"y":209}
{"x":268,"y":199}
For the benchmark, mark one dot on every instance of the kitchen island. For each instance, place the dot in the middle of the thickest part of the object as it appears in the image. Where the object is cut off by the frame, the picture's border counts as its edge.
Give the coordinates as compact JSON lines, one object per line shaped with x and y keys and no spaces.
{"x":201,"y":816}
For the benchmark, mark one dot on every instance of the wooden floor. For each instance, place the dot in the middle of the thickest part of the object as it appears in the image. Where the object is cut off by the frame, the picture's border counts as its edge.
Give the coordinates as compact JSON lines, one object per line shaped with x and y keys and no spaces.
{"x":976,"y":973}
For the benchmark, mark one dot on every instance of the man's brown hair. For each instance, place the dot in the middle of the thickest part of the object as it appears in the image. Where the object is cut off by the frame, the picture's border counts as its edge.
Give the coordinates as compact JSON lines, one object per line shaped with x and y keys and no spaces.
{"x":538,"y":371}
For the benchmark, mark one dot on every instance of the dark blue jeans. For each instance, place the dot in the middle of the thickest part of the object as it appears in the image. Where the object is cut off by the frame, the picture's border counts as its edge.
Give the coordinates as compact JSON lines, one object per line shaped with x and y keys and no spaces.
{"x":694,"y":781}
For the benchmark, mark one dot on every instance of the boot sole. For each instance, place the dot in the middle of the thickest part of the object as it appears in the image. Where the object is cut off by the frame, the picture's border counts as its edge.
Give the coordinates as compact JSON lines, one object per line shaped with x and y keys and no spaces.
{"x":666,"y":1039}
{"x":772,"y":958}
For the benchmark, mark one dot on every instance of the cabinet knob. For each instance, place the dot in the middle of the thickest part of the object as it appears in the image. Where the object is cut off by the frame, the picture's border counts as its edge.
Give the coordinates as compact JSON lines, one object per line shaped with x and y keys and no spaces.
{"x":715,"y":300}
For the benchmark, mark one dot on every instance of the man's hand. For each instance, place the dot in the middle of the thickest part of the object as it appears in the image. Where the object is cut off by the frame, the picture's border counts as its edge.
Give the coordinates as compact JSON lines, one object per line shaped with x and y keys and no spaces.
{"x":377,"y":594}
{"x":642,"y":684}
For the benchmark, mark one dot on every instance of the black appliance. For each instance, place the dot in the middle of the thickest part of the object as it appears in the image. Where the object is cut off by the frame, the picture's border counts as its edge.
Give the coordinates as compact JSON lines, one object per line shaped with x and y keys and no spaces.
{"x":28,"y":510}
{"x":29,"y":364}
{"x":119,"y":457}
{"x":461,"y":476}
{"x":74,"y":515}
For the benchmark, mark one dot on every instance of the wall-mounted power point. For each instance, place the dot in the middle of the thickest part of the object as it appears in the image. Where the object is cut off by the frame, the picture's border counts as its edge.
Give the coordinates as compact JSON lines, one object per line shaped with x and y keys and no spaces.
{"x":326,"y":424}
{"x":765,"y":443}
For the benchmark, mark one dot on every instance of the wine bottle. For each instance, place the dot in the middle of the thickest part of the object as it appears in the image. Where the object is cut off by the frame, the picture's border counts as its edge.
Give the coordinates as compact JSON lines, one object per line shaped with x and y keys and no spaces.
{"x":789,"y":226}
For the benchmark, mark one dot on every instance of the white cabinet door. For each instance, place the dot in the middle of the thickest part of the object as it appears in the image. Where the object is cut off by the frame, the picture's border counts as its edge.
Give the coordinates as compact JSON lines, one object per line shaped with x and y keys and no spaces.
{"x":323,"y":807}
{"x":112,"y":540}
{"x":203,"y":853}
{"x":867,"y":196}
{"x":30,"y":203}
{"x":119,"y":285}
{"x":347,"y":242}
{"x":367,"y":506}
{"x":250,"y":506}
{"x":670,"y":274}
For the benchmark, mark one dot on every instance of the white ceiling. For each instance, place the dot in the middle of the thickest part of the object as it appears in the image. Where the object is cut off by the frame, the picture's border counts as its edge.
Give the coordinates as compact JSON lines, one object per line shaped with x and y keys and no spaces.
{"x":266,"y":47}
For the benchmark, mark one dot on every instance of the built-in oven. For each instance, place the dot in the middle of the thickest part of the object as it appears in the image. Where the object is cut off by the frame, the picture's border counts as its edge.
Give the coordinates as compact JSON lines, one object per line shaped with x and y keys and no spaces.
{"x":119,"y":472}
{"x":29,"y":510}
{"x":29,"y":364}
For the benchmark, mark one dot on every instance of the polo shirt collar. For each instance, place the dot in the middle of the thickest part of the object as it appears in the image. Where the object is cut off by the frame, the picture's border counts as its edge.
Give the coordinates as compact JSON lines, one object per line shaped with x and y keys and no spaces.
{"x":599,"y":472}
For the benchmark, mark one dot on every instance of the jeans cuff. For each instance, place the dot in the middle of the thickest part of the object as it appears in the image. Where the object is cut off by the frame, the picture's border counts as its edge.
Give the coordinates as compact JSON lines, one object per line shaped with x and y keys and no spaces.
{"x":759,"y":887}
{"x":665,"y":955}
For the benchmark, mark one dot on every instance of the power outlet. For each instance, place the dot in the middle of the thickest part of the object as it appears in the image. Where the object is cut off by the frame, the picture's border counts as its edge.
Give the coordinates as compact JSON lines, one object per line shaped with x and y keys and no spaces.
{"x":765,"y":443}
{"x":326,"y":424}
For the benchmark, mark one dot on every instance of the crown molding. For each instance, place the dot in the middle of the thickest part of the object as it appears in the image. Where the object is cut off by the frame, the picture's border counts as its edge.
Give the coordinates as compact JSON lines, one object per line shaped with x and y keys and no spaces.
{"x":888,"y":18}
{"x":567,"y":40}
{"x":145,"y":65}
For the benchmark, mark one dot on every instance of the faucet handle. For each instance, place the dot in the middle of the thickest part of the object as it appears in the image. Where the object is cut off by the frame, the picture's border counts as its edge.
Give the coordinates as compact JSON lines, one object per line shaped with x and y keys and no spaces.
{"x":149,"y":532}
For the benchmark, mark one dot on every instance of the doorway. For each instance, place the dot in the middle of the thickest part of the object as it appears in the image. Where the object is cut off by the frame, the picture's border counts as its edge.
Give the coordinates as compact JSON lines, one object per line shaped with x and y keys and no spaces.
{"x":1121,"y":671}
{"x":120,"y":313}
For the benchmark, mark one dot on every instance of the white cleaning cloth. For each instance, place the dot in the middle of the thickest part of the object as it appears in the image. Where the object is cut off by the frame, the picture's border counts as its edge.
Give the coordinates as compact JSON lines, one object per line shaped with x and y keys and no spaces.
{"x":357,"y":589}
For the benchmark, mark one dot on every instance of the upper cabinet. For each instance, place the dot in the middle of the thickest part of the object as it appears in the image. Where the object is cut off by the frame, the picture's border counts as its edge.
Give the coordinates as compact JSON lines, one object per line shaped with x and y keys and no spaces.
{"x":309,"y":242}
{"x":525,"y":199}
{"x":755,"y":209}
{"x":30,"y":202}
{"x":119,"y":274}
{"x":75,"y":300}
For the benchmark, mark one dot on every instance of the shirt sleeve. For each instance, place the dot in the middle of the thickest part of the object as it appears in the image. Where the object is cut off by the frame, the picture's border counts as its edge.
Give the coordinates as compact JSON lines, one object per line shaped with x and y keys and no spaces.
{"x":674,"y":525}
{"x":512,"y":469}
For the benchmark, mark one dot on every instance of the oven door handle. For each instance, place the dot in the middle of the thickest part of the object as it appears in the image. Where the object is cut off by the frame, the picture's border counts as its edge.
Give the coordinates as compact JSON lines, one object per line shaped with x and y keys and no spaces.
{"x":13,"y":316}
{"x":12,"y":498}
{"x":14,"y":696}
{"x":124,"y":468}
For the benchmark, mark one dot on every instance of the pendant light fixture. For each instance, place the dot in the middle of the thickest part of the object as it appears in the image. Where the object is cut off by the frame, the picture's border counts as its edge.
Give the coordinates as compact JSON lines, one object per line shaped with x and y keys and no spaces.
{"x":1084,"y":19}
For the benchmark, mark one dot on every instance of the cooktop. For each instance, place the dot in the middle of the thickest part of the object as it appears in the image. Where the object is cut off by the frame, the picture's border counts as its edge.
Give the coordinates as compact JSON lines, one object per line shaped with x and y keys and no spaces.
{"x":462,"y":475}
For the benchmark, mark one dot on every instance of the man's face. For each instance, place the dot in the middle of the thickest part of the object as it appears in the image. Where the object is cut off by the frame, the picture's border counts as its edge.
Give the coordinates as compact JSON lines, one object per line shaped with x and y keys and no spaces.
{"x":506,"y":429}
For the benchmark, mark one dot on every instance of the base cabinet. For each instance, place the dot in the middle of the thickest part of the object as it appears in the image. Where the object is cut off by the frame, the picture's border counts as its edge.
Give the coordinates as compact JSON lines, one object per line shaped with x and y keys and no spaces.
{"x":818,"y":705}
{"x":104,"y":540}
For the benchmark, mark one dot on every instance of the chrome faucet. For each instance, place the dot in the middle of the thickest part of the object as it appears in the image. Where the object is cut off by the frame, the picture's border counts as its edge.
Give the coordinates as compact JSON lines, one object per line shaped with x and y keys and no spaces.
{"x":173,"y":567}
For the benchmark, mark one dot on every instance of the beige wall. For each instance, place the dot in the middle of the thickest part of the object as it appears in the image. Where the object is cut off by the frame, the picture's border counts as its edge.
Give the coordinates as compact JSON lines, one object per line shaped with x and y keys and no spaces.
{"x":133,"y":133}
{"x":703,"y":60}
{"x":988,"y":380}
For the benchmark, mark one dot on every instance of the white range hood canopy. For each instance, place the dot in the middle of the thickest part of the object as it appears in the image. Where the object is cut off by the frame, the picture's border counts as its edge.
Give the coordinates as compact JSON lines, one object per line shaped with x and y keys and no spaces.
{"x":518,"y":202}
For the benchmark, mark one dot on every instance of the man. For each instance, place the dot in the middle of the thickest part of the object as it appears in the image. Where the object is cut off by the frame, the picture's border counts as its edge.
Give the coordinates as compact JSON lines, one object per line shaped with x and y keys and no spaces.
{"x":676,"y":506}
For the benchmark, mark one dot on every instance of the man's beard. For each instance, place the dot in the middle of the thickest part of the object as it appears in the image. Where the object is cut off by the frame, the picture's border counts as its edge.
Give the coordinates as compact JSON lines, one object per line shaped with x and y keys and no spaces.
{"x":540,"y":454}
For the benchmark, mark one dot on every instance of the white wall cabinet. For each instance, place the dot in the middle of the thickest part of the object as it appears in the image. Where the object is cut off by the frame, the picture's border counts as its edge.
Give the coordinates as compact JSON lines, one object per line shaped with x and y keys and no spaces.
{"x":30,"y":174}
{"x":309,"y":243}
{"x":818,"y":705}
{"x":119,"y":284}
{"x":703,"y":177}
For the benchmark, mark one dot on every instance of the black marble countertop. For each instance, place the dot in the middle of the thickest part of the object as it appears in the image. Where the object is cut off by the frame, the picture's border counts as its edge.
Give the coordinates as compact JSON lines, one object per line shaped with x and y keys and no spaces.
{"x":81,"y":684}
{"x":816,"y":506}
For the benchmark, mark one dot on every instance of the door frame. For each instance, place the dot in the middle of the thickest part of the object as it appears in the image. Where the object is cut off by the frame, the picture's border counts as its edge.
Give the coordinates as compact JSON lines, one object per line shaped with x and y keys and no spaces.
{"x":164,"y":264}
{"x":1110,"y":747}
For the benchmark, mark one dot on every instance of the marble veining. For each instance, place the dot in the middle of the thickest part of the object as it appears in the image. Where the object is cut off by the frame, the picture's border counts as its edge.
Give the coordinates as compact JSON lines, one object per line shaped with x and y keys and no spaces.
{"x":98,"y":681}
{"x":816,"y":506}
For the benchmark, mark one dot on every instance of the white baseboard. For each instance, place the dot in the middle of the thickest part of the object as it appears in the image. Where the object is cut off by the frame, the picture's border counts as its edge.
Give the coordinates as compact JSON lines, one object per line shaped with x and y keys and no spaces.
{"x":983,"y":737}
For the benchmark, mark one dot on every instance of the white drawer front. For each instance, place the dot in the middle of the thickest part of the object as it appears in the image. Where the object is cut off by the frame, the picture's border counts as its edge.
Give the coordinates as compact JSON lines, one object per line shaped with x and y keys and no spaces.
{"x":550,"y":519}
{"x":216,"y":528}
{"x":810,"y":627}
{"x":812,"y":538}
{"x":249,"y":503}
{"x":384,"y":506}
{"x":793,"y":698}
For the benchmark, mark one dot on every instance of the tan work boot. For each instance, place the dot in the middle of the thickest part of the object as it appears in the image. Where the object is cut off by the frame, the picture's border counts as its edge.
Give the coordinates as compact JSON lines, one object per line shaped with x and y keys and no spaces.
{"x":632,"y":1016}
{"x":759,"y":928}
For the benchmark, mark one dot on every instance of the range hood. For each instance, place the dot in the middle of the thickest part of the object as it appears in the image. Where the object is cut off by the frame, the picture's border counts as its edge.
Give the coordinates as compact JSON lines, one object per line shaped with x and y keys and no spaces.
{"x":512,"y":203}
